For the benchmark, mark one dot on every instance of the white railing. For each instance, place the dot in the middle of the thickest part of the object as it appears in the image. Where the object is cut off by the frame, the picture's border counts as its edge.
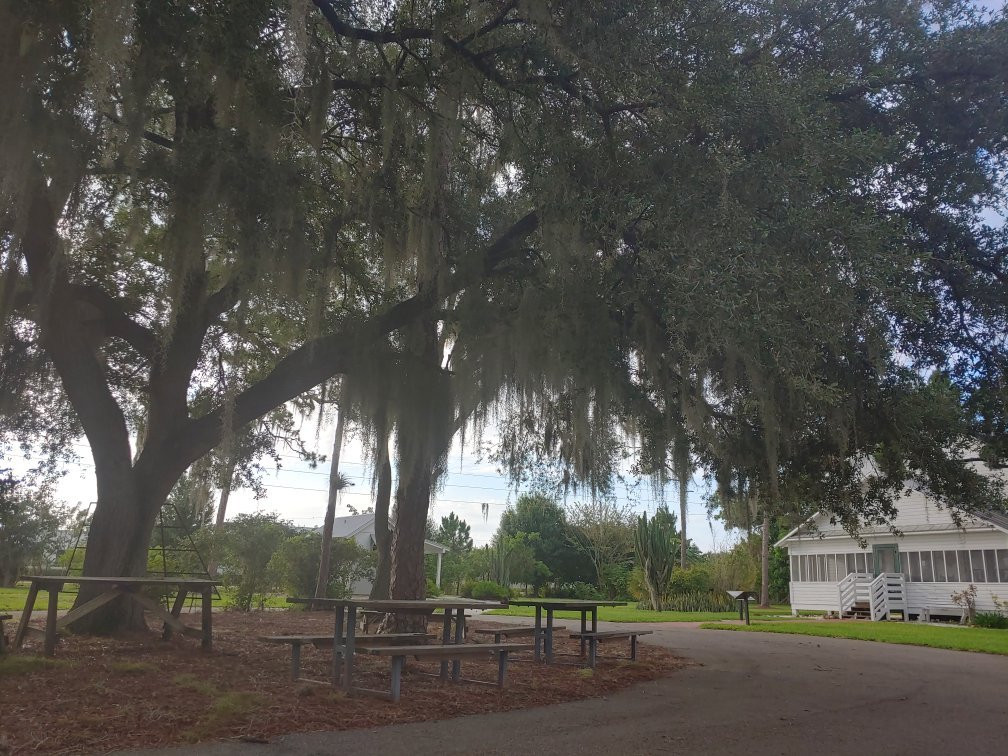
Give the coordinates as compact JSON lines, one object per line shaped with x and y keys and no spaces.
{"x":847,"y":593}
{"x":896,"y":592}
{"x":878,"y":598}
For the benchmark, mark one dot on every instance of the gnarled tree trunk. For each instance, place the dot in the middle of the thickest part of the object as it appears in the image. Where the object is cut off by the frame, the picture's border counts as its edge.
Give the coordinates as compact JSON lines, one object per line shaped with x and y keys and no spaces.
{"x":335,"y":485}
{"x":381,"y":588}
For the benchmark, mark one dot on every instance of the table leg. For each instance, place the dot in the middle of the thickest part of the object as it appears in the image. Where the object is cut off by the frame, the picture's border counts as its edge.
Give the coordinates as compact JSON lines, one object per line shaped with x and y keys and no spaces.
{"x":538,"y":631}
{"x":207,"y":619}
{"x":50,"y":628}
{"x":348,"y":660}
{"x":549,"y":635}
{"x":176,"y":610}
{"x":26,"y":613}
{"x":445,"y":640}
{"x":584,"y":629}
{"x":337,"y":648}
{"x":459,"y":638}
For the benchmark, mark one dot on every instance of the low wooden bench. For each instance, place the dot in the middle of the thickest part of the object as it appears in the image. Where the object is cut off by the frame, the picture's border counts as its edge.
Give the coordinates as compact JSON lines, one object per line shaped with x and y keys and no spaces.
{"x":326,"y":641}
{"x":455,"y":651}
{"x":511,"y":632}
{"x":594,"y":638}
{"x":3,"y":638}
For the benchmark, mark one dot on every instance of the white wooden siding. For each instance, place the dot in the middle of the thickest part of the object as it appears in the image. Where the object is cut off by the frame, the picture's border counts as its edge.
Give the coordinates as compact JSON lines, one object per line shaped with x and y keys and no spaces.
{"x":824,"y":596}
{"x":987,"y":539}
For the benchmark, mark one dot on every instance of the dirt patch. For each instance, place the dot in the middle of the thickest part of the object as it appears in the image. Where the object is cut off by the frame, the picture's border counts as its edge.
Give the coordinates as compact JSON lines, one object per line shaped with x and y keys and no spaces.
{"x":140,"y":691}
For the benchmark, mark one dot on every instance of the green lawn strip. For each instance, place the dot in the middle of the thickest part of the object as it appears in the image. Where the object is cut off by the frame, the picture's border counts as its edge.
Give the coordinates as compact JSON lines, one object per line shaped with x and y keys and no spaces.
{"x":633,"y":614}
{"x":910,"y":634}
{"x":13,"y":599}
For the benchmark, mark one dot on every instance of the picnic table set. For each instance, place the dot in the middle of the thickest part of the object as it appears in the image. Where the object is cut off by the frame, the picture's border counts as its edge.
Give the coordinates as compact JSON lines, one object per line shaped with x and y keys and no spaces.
{"x":345,"y":641}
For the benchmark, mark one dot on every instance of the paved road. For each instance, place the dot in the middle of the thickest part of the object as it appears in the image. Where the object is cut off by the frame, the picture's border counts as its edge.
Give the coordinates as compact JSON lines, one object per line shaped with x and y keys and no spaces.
{"x":751,"y":693}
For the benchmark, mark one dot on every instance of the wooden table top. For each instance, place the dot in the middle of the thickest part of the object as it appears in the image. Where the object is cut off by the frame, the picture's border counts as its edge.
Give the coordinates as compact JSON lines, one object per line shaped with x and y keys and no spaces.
{"x":90,"y":579}
{"x":391,"y":605}
{"x":561,"y":603}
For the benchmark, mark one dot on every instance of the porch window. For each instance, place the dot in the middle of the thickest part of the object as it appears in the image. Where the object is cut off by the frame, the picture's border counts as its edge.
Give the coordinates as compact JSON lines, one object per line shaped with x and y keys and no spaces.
{"x":939,"y":566}
{"x":965,"y":573}
{"x":927,"y":571}
{"x":862,"y":561}
{"x":851,"y":567}
{"x":990,"y":562}
{"x":795,"y":575}
{"x":913,"y":566}
{"x":976,"y":557}
{"x":831,"y":570}
{"x":1002,"y":560}
{"x":821,"y":566}
{"x":951,"y":567}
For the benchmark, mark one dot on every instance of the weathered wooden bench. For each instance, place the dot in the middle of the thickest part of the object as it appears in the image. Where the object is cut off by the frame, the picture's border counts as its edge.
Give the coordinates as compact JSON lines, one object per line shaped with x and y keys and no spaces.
{"x":511,"y":632}
{"x":3,"y":638}
{"x":454,"y":651}
{"x":326,"y":641}
{"x":594,"y":638}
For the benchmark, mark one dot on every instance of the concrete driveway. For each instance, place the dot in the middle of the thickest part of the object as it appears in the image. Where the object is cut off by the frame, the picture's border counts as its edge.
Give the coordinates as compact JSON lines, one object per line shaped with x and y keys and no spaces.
{"x":749,"y":693}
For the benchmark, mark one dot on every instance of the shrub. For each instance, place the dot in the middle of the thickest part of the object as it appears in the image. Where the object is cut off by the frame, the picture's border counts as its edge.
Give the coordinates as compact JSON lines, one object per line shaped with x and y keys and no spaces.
{"x":698,"y":601}
{"x":994,"y":620}
{"x":576,"y":590}
{"x":692,"y":579}
{"x":490,"y":591}
{"x":247,"y":543}
{"x":432,"y":588}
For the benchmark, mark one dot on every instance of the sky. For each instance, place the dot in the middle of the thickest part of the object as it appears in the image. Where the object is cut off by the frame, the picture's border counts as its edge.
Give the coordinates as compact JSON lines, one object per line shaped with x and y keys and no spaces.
{"x":298,"y":493}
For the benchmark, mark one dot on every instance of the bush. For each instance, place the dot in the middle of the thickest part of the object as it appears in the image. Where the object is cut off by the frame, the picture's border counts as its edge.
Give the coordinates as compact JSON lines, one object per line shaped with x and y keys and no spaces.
{"x":488,"y":590}
{"x":994,"y":620}
{"x":247,"y":543}
{"x":577,"y":590}
{"x":697,"y":601}
{"x":432,"y":589}
{"x":690,"y":580}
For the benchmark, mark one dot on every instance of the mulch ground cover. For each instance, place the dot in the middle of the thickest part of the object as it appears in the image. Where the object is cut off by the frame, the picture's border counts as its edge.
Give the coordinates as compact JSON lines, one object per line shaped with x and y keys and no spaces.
{"x":102,"y":694}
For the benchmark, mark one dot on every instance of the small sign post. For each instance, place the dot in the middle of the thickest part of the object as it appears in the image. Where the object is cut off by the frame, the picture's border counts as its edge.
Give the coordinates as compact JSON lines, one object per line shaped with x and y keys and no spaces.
{"x":743,"y":598}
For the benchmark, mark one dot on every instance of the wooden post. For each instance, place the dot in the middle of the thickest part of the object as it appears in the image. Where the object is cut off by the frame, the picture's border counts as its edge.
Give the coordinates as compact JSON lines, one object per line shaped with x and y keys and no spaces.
{"x":633,"y":647}
{"x":26,"y":613}
{"x":459,"y":638}
{"x":538,"y":630}
{"x":445,"y":639}
{"x":338,"y":650}
{"x":348,"y":649}
{"x":295,"y":660}
{"x":397,"y":665}
{"x":584,"y":629}
{"x":176,"y":610}
{"x":50,"y":628}
{"x":207,"y":618}
{"x":502,"y":659}
{"x":549,"y":634}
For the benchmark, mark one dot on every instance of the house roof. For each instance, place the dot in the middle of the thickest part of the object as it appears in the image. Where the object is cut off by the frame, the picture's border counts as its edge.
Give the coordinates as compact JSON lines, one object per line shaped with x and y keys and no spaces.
{"x":997,"y":520}
{"x":354,"y":525}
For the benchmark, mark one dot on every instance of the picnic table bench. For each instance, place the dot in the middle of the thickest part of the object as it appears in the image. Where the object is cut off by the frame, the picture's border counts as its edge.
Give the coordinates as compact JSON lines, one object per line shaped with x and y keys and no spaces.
{"x":544,"y":635}
{"x":598,"y":636}
{"x":444,"y":652}
{"x":511,"y":632}
{"x":345,"y":634}
{"x":3,"y":638}
{"x":326,"y":641}
{"x":128,"y":587}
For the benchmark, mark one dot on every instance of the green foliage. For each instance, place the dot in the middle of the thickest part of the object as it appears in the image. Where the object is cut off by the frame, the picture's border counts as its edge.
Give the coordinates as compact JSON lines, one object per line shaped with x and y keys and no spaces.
{"x":994,"y":620}
{"x":295,"y":565}
{"x":695,"y":578}
{"x":576,"y":590}
{"x":486,"y":589}
{"x":245,"y":545}
{"x":548,"y":533}
{"x":699,"y":601}
{"x":432,"y":589}
{"x":30,"y":524}
{"x":780,"y":575}
{"x":655,"y":545}
{"x":736,"y":569}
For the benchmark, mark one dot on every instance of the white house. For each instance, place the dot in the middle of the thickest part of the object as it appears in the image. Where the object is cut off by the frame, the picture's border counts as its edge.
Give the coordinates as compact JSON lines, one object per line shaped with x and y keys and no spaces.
{"x":361,"y":528}
{"x":915,"y":573}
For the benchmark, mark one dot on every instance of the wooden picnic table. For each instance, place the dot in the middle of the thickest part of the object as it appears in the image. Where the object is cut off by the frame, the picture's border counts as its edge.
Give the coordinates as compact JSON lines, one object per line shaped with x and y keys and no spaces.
{"x":544,"y":635}
{"x":344,"y":633}
{"x":131,"y":587}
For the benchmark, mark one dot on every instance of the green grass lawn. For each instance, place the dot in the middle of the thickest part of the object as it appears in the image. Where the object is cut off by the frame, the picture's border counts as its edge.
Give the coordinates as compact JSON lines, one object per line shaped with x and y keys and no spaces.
{"x":13,"y":600}
{"x":907,"y":633}
{"x":631,"y":613}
